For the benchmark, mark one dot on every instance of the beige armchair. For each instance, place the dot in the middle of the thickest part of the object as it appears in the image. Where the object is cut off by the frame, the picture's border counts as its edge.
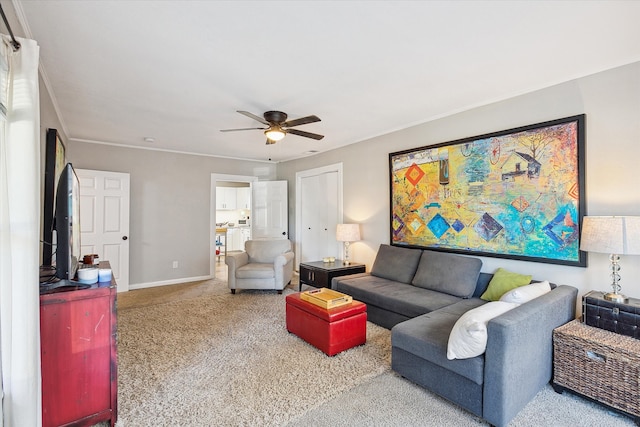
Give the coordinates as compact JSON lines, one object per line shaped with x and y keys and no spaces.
{"x":265,"y":264}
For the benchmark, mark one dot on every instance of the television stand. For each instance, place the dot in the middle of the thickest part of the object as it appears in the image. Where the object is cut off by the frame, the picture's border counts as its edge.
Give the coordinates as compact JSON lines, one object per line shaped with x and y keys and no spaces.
{"x":78,"y":328}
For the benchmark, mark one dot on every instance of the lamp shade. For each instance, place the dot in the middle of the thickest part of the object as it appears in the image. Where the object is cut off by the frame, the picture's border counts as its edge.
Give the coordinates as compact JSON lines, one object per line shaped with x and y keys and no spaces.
{"x":618,"y":235}
{"x":348,"y":232}
{"x":274,"y":134}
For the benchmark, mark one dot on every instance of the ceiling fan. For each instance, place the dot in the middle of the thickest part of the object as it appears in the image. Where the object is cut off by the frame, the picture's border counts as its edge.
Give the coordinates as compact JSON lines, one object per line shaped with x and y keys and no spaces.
{"x":278,"y":126}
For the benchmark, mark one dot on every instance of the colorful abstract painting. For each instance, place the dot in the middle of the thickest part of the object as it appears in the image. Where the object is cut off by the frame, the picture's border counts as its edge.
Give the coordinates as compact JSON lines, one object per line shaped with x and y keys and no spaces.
{"x":514,"y":194}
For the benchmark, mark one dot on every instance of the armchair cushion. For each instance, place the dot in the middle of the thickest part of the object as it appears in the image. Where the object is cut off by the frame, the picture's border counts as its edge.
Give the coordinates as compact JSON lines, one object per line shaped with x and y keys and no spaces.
{"x":255,"y":271}
{"x":266,"y":251}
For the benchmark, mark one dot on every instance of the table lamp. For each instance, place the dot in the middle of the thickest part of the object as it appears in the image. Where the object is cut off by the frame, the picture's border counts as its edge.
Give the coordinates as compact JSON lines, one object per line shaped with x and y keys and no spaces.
{"x":614,"y":235}
{"x":347,"y":233}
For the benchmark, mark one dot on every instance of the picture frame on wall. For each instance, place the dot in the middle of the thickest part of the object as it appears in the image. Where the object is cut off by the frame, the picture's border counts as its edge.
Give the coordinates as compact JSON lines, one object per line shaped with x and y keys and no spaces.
{"x":55,"y":161}
{"x":517,"y":193}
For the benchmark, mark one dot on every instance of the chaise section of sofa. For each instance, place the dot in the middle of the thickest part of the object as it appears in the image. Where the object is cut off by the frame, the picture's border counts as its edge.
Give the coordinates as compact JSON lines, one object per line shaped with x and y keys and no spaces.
{"x":499,"y":383}
{"x":421,"y":294}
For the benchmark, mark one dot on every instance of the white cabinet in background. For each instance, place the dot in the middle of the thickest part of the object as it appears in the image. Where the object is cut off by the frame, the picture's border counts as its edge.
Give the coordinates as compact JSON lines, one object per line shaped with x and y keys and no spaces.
{"x":234,"y":239}
{"x":243,"y":195}
{"x":225,"y":198}
{"x":246,"y":235}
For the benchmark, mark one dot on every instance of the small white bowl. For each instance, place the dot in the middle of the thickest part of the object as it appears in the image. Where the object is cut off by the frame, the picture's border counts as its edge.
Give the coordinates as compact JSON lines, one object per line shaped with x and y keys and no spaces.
{"x":88,"y":275}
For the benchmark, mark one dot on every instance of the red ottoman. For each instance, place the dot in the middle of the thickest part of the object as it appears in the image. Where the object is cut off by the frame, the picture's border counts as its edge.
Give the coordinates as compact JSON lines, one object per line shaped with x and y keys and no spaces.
{"x":331,"y":330}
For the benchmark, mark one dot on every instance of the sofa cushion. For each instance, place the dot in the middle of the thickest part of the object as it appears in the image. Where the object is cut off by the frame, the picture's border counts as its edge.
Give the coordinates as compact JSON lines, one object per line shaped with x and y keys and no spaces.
{"x":427,"y":337}
{"x":526,"y":293}
{"x":502,"y":282}
{"x":396,"y":263}
{"x":393,"y":296}
{"x":468,"y":338}
{"x":452,"y":274}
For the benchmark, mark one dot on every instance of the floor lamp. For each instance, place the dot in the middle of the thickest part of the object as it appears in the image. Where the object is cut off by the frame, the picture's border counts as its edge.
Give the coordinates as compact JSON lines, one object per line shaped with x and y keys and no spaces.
{"x":347,"y":233}
{"x":613,"y":235}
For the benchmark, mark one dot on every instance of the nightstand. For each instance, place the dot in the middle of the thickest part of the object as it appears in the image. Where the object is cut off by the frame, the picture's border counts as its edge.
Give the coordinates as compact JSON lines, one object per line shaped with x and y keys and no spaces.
{"x":319,"y":274}
{"x":598,"y":364}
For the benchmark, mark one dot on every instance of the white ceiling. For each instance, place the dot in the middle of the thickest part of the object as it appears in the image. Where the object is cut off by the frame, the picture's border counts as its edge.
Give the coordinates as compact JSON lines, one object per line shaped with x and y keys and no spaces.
{"x":177,"y":71}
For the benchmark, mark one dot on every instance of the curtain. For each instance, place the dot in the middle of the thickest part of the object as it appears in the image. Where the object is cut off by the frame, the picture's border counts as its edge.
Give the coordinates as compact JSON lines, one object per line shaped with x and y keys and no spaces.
{"x":19,"y":238}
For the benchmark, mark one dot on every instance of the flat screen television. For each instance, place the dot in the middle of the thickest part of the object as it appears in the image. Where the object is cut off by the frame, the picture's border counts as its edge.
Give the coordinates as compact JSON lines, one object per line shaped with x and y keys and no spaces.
{"x":67,"y":224}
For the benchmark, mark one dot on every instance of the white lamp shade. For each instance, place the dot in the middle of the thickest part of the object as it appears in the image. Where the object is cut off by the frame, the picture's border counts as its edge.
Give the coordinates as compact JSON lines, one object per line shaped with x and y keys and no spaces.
{"x":348,"y":232}
{"x":618,"y":235}
{"x":274,"y":134}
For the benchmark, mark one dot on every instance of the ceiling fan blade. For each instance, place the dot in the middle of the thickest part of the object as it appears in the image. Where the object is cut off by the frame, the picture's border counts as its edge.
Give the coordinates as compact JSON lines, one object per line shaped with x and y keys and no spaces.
{"x":254,"y":117}
{"x":233,"y":130}
{"x":301,"y":121}
{"x":305,"y":134}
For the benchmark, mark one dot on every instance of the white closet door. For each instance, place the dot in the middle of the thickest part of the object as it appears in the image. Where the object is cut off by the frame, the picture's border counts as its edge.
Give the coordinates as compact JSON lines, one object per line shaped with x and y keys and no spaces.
{"x":319,"y":216}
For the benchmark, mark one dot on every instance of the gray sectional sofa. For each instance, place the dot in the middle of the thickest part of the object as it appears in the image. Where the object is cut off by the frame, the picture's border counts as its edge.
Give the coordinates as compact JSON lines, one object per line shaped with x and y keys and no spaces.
{"x":420,"y":294}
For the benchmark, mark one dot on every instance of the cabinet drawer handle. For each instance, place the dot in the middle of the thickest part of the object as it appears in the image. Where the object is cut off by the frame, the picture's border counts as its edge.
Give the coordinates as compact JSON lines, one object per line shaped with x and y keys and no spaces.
{"x":595,"y":356}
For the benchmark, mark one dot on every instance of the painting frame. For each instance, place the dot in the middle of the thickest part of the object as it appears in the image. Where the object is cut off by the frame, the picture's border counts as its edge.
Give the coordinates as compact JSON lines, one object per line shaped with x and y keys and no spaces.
{"x":55,"y":161}
{"x":517,"y":193}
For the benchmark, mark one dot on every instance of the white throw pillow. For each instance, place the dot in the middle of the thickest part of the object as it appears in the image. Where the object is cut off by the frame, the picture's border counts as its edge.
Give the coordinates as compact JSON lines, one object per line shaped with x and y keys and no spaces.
{"x":526,"y":293}
{"x":468,"y":337}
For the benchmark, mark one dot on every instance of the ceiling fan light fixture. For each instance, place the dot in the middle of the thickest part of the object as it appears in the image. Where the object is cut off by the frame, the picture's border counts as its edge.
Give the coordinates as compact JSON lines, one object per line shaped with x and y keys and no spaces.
{"x":274,"y":134}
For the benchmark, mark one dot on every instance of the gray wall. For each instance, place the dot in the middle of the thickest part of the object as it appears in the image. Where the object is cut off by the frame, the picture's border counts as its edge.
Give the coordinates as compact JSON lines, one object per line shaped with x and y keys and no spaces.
{"x":170,"y":205}
{"x":611,"y":102}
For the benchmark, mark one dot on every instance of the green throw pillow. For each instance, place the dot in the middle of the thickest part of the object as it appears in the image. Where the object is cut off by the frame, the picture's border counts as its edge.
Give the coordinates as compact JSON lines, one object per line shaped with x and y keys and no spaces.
{"x":502,"y":282}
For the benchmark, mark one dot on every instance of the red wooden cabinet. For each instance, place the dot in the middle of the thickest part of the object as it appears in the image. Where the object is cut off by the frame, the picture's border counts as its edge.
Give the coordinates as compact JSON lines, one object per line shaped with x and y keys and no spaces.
{"x":78,"y":356}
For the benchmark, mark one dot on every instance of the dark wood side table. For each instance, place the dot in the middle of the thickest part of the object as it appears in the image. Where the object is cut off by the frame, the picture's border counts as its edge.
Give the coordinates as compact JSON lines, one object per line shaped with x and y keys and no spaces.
{"x":598,"y":364}
{"x":319,"y":274}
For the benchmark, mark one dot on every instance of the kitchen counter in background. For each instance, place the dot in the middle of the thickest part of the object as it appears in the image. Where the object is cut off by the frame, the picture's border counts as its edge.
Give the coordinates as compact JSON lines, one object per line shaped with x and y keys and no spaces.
{"x":236,"y":236}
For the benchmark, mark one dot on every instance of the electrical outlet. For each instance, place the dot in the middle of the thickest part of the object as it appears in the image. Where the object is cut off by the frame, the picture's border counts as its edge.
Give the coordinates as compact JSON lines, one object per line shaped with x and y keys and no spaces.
{"x":175,"y":264}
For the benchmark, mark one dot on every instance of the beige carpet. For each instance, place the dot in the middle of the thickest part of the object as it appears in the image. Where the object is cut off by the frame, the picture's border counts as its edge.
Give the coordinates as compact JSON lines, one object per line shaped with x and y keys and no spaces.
{"x":227,"y":360}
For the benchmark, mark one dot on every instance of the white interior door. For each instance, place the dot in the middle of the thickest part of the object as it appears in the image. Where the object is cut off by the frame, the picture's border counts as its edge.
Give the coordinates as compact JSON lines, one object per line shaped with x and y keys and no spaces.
{"x":104,"y":220}
{"x":269,"y":207}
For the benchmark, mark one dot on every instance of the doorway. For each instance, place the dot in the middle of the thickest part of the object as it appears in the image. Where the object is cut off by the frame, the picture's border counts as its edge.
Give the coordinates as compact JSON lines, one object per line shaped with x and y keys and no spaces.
{"x":228,"y":215}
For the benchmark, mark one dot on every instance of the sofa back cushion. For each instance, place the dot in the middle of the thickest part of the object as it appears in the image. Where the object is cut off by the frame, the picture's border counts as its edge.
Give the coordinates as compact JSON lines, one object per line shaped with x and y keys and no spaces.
{"x":396,"y":263}
{"x":452,"y":274}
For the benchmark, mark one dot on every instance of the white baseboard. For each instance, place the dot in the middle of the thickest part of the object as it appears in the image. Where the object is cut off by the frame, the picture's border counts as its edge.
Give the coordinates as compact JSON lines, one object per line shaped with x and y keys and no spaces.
{"x":169,"y":282}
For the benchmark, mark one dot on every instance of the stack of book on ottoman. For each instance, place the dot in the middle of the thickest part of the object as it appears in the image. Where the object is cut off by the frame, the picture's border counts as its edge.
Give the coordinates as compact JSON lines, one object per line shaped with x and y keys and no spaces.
{"x":328,"y":320}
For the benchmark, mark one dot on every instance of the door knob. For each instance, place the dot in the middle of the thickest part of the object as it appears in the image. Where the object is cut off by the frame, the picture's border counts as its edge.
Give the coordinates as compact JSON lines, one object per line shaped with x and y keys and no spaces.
{"x":284,"y":233}
{"x":124,"y":237}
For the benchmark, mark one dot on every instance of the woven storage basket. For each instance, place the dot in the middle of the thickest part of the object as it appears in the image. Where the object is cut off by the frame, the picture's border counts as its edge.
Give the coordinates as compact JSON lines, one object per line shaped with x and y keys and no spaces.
{"x":599,"y":364}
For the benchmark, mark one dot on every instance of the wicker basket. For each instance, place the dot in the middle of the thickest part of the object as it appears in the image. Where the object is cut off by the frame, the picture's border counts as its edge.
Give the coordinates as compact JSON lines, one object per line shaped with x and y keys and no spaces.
{"x":599,"y":364}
